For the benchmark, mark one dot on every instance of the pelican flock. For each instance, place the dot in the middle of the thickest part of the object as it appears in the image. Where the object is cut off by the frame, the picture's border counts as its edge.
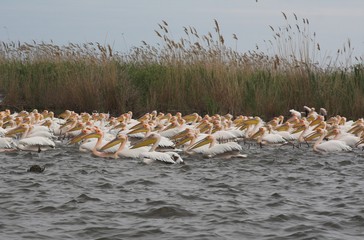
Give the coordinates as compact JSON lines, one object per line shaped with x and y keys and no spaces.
{"x":168,"y":138}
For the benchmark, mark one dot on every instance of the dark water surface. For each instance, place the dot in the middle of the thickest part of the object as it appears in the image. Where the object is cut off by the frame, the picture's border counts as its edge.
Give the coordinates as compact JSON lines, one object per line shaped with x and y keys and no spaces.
{"x":275,"y":193}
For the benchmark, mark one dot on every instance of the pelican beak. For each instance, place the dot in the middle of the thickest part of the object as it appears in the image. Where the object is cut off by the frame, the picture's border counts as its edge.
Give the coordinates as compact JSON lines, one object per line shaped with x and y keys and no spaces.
{"x":113,"y":143}
{"x":253,"y":121}
{"x":312,"y":136}
{"x":137,"y":126}
{"x":205,"y":128}
{"x":82,"y":136}
{"x":183,"y":140}
{"x":246,"y":123}
{"x":238,"y":121}
{"x":201,"y":125}
{"x":320,"y":125}
{"x":92,"y":135}
{"x":138,"y":130}
{"x":316,"y":121}
{"x":77,"y":138}
{"x":201,"y":143}
{"x":257,"y":134}
{"x":75,"y":128}
{"x":16,"y":130}
{"x":181,"y":134}
{"x":354,"y":129}
{"x":282,"y":128}
{"x":144,"y":142}
{"x":190,"y":118}
{"x":299,"y":129}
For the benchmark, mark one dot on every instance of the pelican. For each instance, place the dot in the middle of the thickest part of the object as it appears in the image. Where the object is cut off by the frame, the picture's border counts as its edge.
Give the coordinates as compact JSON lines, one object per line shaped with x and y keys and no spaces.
{"x":152,"y":155}
{"x":329,"y":146}
{"x":264,"y":137}
{"x":164,"y":144}
{"x":347,"y":138}
{"x":7,"y":144}
{"x":215,"y":150}
{"x":123,"y":150}
{"x":32,"y":140}
{"x":90,"y":145}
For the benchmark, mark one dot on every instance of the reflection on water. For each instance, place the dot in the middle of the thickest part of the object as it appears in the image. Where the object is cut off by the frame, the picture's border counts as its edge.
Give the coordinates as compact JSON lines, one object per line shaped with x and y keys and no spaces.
{"x":275,"y":193}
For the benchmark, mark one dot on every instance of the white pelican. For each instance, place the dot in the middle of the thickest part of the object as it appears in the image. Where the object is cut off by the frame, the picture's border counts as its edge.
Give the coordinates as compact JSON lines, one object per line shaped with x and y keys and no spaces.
{"x":224,"y":150}
{"x":294,"y":114}
{"x":32,"y":140}
{"x":123,"y":150}
{"x":7,"y":144}
{"x":328,"y":146}
{"x":164,"y":144}
{"x":347,"y":138}
{"x":89,"y":145}
{"x":152,"y":155}
{"x":264,"y":137}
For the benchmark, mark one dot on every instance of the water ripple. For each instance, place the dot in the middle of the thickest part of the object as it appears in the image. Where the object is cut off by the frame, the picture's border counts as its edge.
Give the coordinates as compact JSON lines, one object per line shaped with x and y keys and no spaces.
{"x":275,"y":193}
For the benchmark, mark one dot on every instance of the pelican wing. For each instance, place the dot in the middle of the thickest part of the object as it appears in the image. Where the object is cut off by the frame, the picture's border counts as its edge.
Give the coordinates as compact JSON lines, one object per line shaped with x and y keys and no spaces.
{"x":133,"y":153}
{"x":223,"y":148}
{"x":224,"y":136}
{"x":165,"y":142}
{"x":7,"y":142}
{"x":36,"y":141}
{"x":157,"y":156}
{"x":333,"y":146}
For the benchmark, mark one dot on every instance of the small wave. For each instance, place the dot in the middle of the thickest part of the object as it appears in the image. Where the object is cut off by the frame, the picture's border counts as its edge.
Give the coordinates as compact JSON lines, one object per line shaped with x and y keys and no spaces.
{"x":147,"y":233}
{"x":155,"y":203}
{"x":195,"y":197}
{"x":276,"y":203}
{"x":165,"y":212}
{"x":332,"y":225}
{"x":357,"y":219}
{"x":105,"y":186}
{"x":141,"y":182}
{"x":286,"y":217}
{"x":47,"y":209}
{"x":345,"y":163}
{"x":84,"y":198}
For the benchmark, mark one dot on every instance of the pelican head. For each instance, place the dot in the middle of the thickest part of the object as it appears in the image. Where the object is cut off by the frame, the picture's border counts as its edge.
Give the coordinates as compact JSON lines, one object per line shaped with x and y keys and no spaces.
{"x":151,"y":139}
{"x":186,"y":138}
{"x":120,"y":138}
{"x":317,"y":121}
{"x":85,"y":132}
{"x":181,"y":134}
{"x":20,"y":129}
{"x":315,"y":134}
{"x":207,"y":140}
{"x":145,"y":127}
{"x":260,"y":132}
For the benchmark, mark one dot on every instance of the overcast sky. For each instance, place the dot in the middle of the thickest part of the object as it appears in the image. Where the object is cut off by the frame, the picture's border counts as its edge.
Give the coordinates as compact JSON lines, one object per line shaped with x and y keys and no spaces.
{"x":125,"y":23}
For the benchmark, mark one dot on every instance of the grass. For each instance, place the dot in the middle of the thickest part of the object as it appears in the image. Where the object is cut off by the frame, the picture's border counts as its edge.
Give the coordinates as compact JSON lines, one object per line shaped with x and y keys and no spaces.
{"x":197,"y":73}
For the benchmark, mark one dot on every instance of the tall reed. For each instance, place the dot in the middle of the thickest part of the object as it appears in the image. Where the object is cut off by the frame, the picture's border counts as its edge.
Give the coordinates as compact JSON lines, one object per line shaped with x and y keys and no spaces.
{"x":197,"y":73}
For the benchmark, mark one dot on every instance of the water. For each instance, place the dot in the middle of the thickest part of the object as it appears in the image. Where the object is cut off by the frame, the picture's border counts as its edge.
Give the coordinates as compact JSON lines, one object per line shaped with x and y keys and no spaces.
{"x":275,"y":193}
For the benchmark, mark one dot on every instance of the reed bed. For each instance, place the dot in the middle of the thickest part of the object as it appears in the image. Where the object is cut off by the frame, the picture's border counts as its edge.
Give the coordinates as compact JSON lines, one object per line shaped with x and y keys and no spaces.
{"x":197,"y":73}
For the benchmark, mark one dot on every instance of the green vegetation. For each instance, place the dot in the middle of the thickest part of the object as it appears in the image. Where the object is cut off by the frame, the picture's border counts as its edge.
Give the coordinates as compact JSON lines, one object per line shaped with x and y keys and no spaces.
{"x":197,"y":73}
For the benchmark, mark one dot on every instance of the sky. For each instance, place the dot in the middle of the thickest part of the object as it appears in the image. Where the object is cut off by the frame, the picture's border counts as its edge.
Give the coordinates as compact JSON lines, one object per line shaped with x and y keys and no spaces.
{"x":126,"y":23}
